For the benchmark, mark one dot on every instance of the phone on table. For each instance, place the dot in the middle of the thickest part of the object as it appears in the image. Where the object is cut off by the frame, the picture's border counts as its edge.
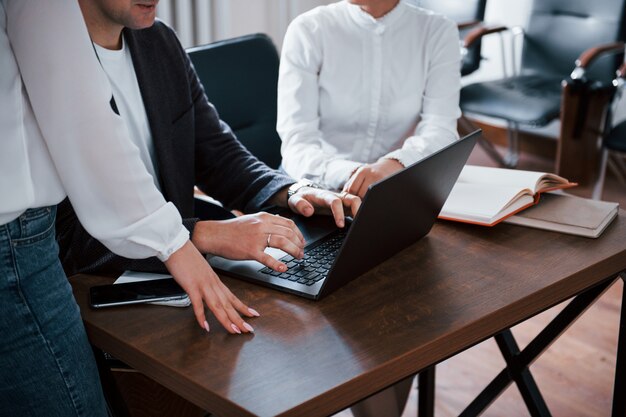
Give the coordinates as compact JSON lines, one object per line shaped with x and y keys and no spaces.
{"x":135,"y":293}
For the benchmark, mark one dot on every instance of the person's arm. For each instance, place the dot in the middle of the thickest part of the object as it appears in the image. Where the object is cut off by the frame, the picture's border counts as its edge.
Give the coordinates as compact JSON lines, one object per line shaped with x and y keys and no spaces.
{"x":224,"y":168}
{"x":297,"y":114}
{"x":112,"y":193}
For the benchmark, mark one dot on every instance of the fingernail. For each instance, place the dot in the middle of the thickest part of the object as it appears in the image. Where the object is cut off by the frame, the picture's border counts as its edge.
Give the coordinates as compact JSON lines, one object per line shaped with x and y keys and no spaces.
{"x":235,"y":328}
{"x":341,"y":223}
{"x":283,"y":267}
{"x":253,"y":312}
{"x":206,"y":326}
{"x":248,"y":327}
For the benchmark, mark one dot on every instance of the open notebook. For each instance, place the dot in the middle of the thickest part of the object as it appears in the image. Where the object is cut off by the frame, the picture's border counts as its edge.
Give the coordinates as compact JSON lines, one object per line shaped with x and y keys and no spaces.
{"x":486,"y":196}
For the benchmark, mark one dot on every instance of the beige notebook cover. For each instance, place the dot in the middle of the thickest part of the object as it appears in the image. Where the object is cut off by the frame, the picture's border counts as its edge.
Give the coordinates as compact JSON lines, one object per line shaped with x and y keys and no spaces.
{"x":568,"y":214}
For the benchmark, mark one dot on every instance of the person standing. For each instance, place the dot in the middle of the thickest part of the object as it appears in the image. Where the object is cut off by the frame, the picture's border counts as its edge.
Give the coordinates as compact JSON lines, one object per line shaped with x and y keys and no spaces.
{"x":59,"y":136}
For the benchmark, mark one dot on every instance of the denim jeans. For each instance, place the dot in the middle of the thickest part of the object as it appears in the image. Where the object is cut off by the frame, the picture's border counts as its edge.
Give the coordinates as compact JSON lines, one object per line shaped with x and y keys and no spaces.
{"x":47,"y":367}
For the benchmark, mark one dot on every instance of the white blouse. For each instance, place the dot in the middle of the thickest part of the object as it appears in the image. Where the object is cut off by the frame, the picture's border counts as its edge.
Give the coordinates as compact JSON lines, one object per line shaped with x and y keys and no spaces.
{"x":353,"y":89}
{"x":59,"y":135}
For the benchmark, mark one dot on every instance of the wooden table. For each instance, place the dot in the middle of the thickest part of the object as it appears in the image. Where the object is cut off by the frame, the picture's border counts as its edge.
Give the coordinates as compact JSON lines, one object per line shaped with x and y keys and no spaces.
{"x":456,"y":287}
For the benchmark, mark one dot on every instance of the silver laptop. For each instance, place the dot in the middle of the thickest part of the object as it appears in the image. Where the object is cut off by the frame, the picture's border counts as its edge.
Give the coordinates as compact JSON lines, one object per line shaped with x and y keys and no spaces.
{"x":395,"y":213}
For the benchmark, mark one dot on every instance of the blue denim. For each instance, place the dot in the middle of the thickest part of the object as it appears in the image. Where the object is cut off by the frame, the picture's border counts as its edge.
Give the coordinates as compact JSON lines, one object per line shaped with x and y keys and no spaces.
{"x":47,"y":367}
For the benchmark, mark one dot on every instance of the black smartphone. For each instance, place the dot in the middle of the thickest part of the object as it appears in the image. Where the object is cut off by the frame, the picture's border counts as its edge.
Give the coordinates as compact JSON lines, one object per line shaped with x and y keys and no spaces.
{"x":166,"y":289}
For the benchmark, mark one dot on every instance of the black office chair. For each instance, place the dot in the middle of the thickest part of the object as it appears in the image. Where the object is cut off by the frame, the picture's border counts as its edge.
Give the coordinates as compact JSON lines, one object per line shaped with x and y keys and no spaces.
{"x":468,"y":14}
{"x":614,"y":141}
{"x":561,"y":36}
{"x":240,"y":78}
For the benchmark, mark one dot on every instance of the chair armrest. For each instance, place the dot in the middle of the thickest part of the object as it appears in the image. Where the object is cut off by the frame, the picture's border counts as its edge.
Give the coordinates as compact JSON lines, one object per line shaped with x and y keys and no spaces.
{"x":479,"y":32}
{"x":591,"y":54}
{"x":468,"y":24}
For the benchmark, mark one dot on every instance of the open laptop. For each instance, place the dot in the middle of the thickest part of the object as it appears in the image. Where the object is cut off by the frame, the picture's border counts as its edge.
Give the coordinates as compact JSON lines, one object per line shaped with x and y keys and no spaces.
{"x":395,"y":213}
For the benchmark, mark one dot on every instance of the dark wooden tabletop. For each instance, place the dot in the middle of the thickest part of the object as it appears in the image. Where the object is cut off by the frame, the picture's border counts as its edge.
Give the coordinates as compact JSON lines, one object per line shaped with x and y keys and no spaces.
{"x":452,"y":289}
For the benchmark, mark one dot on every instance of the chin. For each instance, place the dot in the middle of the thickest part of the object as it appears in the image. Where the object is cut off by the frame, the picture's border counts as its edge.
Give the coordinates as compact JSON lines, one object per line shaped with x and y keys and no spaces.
{"x":142,"y":22}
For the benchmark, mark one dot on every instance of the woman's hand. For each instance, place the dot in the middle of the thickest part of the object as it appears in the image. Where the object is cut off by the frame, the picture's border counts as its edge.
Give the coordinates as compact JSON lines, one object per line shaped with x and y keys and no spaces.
{"x":197,"y":278}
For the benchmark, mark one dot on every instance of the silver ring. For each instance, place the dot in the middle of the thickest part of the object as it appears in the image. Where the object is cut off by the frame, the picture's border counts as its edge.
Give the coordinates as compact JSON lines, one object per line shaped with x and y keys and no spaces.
{"x":269,"y":237}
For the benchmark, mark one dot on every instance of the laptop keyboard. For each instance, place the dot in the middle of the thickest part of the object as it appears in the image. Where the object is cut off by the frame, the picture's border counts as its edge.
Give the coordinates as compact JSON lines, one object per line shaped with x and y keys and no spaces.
{"x":314,"y":266}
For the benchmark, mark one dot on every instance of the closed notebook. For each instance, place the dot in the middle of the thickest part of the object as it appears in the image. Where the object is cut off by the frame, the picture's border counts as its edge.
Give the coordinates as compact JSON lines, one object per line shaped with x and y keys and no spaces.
{"x":486,"y":195}
{"x":568,"y":214}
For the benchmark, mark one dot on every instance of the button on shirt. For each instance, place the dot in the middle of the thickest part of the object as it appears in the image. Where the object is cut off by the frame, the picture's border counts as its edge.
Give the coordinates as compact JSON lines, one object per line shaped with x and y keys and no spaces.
{"x":353,"y":89}
{"x":58,"y":135}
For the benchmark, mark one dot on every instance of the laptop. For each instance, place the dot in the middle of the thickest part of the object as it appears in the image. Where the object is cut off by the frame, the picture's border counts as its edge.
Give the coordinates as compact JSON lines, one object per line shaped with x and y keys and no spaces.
{"x":395,"y":213}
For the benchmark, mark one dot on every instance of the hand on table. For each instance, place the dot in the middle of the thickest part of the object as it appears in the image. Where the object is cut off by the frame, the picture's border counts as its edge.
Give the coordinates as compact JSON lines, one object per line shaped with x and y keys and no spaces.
{"x":195,"y":276}
{"x":368,"y":174}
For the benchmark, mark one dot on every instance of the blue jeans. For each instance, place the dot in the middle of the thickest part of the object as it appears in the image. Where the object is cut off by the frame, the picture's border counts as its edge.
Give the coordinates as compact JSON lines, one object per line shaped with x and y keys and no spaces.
{"x":47,"y":367}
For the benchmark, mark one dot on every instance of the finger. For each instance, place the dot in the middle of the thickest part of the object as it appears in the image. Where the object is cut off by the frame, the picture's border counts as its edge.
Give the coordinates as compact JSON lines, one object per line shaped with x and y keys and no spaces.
{"x":292,"y":235}
{"x":352,"y":202}
{"x":336,"y":208}
{"x":237,"y":324}
{"x":358,"y":179}
{"x":241,"y":307}
{"x":198,"y":308}
{"x":270,"y":262}
{"x":348,"y":184}
{"x":363,"y":188}
{"x":299,"y":204}
{"x":287,"y":245}
{"x":219,"y":307}
{"x":287,"y":223}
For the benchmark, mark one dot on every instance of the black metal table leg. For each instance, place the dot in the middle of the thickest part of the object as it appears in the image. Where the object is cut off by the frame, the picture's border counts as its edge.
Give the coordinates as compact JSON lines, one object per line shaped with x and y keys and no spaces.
{"x":426,"y":392}
{"x":520,"y":373}
{"x":518,"y":362}
{"x":619,"y":388}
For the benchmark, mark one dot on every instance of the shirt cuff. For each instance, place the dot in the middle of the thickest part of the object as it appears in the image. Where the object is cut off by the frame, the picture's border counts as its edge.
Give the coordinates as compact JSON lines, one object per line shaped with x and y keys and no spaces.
{"x":337,"y":173}
{"x":404,"y":156}
{"x":181,"y":238}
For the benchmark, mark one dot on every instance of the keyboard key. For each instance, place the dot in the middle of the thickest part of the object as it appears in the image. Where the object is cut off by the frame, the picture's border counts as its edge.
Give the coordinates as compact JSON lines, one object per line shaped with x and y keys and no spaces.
{"x":311,"y":275}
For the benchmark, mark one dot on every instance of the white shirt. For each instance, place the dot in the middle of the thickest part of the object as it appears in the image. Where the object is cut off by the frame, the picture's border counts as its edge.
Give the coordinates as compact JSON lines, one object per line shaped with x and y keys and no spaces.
{"x":118,"y":66}
{"x":59,"y":135}
{"x":353,"y":89}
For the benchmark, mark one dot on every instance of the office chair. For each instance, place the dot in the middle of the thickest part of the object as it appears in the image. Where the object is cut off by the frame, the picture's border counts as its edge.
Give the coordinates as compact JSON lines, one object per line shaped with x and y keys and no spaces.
{"x":240,"y":78}
{"x":468,"y":14}
{"x":561,"y":36}
{"x":613,"y":152}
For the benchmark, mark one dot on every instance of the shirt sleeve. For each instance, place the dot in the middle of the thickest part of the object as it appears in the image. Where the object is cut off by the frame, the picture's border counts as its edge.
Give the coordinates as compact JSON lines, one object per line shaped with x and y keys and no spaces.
{"x":297,"y":113}
{"x":101,"y":170}
{"x":440,"y":106}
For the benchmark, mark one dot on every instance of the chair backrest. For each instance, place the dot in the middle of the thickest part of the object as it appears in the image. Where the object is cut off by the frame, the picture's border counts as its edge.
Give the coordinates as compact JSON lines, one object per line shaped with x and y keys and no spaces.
{"x":460,"y":11}
{"x":240,"y":78}
{"x":560,"y":30}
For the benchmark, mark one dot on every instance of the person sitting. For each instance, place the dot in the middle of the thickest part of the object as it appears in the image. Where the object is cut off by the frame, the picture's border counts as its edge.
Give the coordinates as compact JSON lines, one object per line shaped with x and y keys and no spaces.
{"x":183,"y":143}
{"x":365,"y":88}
